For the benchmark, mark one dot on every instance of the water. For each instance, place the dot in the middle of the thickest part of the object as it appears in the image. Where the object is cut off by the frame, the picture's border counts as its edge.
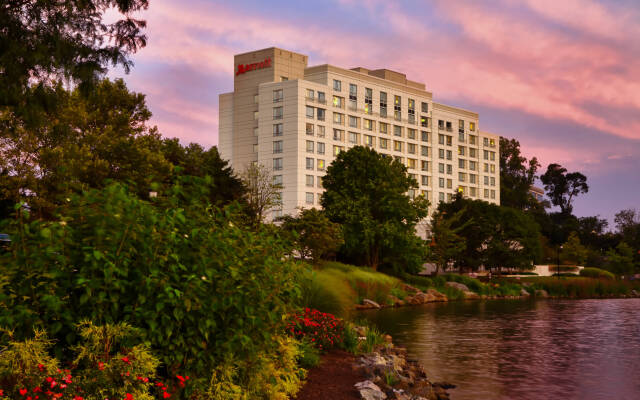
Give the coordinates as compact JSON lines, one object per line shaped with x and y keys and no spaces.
{"x":519,"y":350}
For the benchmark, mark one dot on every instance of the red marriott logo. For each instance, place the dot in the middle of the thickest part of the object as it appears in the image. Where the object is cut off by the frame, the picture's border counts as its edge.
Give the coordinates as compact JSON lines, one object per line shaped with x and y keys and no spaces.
{"x":250,"y":67}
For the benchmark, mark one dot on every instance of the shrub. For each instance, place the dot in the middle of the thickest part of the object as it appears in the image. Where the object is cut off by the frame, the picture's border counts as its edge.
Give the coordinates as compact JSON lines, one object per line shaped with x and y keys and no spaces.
{"x":321,"y":329}
{"x":309,"y":355}
{"x":327,"y":291}
{"x":596,"y":273}
{"x":350,"y":339}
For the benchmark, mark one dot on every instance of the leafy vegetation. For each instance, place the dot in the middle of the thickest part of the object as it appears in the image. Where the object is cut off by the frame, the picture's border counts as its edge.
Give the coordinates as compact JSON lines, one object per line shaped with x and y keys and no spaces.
{"x":596,"y":273}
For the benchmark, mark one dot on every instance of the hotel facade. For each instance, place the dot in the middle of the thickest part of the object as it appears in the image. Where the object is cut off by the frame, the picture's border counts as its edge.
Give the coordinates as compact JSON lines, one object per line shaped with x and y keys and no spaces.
{"x":295,"y":119}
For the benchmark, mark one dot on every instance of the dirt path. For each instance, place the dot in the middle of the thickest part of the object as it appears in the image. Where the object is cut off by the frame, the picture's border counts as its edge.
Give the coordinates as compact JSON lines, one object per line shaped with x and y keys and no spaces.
{"x":333,"y":379}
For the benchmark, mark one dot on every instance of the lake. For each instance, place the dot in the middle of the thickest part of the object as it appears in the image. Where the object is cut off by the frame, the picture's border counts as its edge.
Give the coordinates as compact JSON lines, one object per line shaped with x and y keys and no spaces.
{"x":524,"y":349}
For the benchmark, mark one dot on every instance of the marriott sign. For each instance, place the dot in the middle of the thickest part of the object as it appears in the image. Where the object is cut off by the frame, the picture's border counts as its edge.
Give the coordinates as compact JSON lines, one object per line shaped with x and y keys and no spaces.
{"x":242,"y":68}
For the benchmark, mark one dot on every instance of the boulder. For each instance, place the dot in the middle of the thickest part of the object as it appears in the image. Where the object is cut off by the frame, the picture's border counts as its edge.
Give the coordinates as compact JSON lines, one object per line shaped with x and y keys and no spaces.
{"x":370,"y":391}
{"x":542,"y":293}
{"x":370,"y":303}
{"x":523,"y":292}
{"x":420,"y":298}
{"x":437,"y":295}
{"x":635,"y":293}
{"x":457,"y":285}
{"x":470,"y":295}
{"x":409,"y":288}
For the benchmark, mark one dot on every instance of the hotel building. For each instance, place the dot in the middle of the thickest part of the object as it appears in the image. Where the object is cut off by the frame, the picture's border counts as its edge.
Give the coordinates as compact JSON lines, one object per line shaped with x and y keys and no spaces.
{"x":296,"y":119}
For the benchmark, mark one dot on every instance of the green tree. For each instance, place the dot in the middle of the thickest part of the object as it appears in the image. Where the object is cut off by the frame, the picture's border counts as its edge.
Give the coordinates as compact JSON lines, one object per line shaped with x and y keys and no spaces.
{"x":620,"y":259}
{"x":447,"y":245}
{"x":516,"y":175}
{"x":263,"y":194}
{"x":574,"y":251}
{"x":366,"y":192}
{"x":313,"y":234}
{"x":562,"y":187}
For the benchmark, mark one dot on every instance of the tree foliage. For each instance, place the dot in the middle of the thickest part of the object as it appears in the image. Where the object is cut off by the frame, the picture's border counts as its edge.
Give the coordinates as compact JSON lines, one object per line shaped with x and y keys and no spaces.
{"x":447,"y":245}
{"x":366,"y":192}
{"x":620,"y":259}
{"x":562,"y":186}
{"x":313,"y":234}
{"x":516,"y":175}
{"x":262,"y":193}
{"x":573,"y":251}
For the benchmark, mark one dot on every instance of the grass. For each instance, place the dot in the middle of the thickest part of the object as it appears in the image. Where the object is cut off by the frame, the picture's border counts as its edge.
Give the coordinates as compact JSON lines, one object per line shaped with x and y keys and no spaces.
{"x":596,"y":273}
{"x":581,"y":287}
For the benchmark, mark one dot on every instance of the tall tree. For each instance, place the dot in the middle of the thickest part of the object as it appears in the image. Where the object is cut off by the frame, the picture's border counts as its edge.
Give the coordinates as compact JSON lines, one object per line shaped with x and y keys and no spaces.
{"x":620,"y":259}
{"x":563,"y":186}
{"x":573,"y":251}
{"x":516,"y":175}
{"x":262,"y":193}
{"x":447,"y":245}
{"x":312,"y":234}
{"x":366,"y":192}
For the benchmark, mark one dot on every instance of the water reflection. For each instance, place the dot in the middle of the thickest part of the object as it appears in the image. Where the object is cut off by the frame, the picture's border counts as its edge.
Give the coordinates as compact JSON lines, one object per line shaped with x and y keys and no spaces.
{"x":556,"y":349}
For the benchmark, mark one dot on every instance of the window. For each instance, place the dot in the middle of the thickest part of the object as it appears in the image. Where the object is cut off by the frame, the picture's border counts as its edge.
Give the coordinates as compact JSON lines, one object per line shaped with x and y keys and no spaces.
{"x":486,"y":180}
{"x":277,"y":146}
{"x":320,"y":165}
{"x":493,"y":194}
{"x":441,"y":168}
{"x":425,"y":180}
{"x":486,"y":193}
{"x":492,"y":155}
{"x":472,"y":178}
{"x":460,"y":125}
{"x":353,"y":138}
{"x":310,"y":144}
{"x":309,"y":180}
{"x":472,"y":139}
{"x":277,"y":112}
{"x":493,"y":181}
{"x":449,"y":128}
{"x":369,"y":141}
{"x":397,"y":130}
{"x":256,"y":131}
{"x":493,"y":168}
{"x":486,"y":154}
{"x":384,"y":143}
{"x":384,"y":128}
{"x":283,"y":79}
{"x":397,"y":107}
{"x":441,"y":139}
{"x":461,"y":150}
{"x":277,"y":164}
{"x":449,"y":154}
{"x":256,"y":114}
{"x":440,"y":196}
{"x":338,"y":118}
{"x":440,"y":124}
{"x":368,"y":101}
{"x":309,"y":198}
{"x":425,"y":121}
{"x":383,"y":104}
{"x":485,"y":142}
{"x":411,"y":148}
{"x":353,"y":93}
{"x":309,"y":129}
{"x":338,"y":102}
{"x":462,"y":164}
{"x":441,"y":182}
{"x":411,"y":133}
{"x":449,"y":140}
{"x":411,"y":193}
{"x":277,"y":199}
{"x":338,"y":134}
{"x":462,"y":177}
{"x":256,"y":99}
{"x":472,"y":126}
{"x":320,"y":148}
{"x":277,"y":130}
{"x":337,"y":85}
{"x":472,"y":192}
{"x":321,"y":131}
{"x":320,"y":113}
{"x":353,"y":121}
{"x":472,"y":152}
{"x":424,"y":165}
{"x":411,"y":111}
{"x":310,"y":94}
{"x":310,"y":112}
{"x":397,"y":146}
{"x":319,"y":184}
{"x":486,"y":167}
{"x":277,"y":180}
{"x":321,"y":98}
{"x":337,"y":150}
{"x":425,"y":107}
{"x":449,"y":169}
{"x":277,"y":95}
{"x":255,"y":148}
{"x":441,"y":154}
{"x":461,"y":136}
{"x":310,"y":162}
{"x":411,"y":163}
{"x":368,"y":124}
{"x":449,"y":184}
{"x":424,"y":136}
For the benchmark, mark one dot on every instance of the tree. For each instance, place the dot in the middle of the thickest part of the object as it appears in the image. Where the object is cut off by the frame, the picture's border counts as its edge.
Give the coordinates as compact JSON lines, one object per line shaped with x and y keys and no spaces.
{"x":620,"y":259}
{"x":366,"y":192}
{"x":313,"y":235}
{"x":562,"y":187}
{"x":516,"y":177}
{"x":263,"y":194}
{"x":573,"y":250}
{"x":447,"y":245}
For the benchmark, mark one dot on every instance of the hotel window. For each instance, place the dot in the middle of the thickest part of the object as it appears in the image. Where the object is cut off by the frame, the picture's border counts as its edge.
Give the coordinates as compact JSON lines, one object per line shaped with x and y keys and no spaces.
{"x":441,"y":168}
{"x":320,"y":112}
{"x":310,"y":94}
{"x":368,"y":141}
{"x":309,"y":198}
{"x":411,"y":111}
{"x":353,"y":94}
{"x":486,"y":167}
{"x":441,"y":182}
{"x":384,"y":143}
{"x":493,"y":181}
{"x":368,"y":101}
{"x":353,"y":138}
{"x":472,"y":152}
{"x":277,"y":95}
{"x":277,"y":130}
{"x":425,"y":122}
{"x":309,"y":129}
{"x":485,"y":142}
{"x":472,"y":126}
{"x":411,"y":133}
{"x":353,"y":121}
{"x":255,"y":148}
{"x":486,"y":193}
{"x":461,"y":150}
{"x":277,"y":146}
{"x":449,"y":140}
{"x":277,"y":180}
{"x":283,"y":79}
{"x":383,"y":104}
{"x":277,"y":112}
{"x":486,"y":180}
{"x":368,"y":124}
{"x":425,"y":180}
{"x":492,"y":155}
{"x":309,"y":181}
{"x":424,"y":151}
{"x":425,"y":107}
{"x":411,"y":163}
{"x":449,"y":127}
{"x":256,"y":99}
{"x":449,"y":183}
{"x":338,"y":134}
{"x":441,"y":154}
{"x":460,"y":125}
{"x":449,"y":154}
{"x":338,"y":102}
{"x":462,"y":176}
{"x":440,"y":196}
{"x":320,"y":130}
{"x":310,"y":144}
{"x":493,"y":194}
{"x":310,"y":162}
{"x":397,"y":146}
{"x":338,"y":118}
{"x":397,"y":130}
{"x":337,"y":85}
{"x":424,"y":165}
{"x":492,"y":143}
{"x":384,"y":128}
{"x":472,"y":178}
{"x":337,"y":150}
{"x":493,"y":168}
{"x":397,"y":108}
{"x":320,"y":148}
{"x":462,"y":163}
{"x":256,"y":131}
{"x":441,"y":139}
{"x":319,"y":184}
{"x":424,"y":136}
{"x":472,"y":192}
{"x":256,"y":114}
{"x":440,"y":124}
{"x":321,"y":98}
{"x":320,"y":165}
{"x":449,"y":169}
{"x":472,"y":138}
{"x":411,"y":148}
{"x":277,"y":164}
{"x":461,"y":136}
{"x":486,"y":154}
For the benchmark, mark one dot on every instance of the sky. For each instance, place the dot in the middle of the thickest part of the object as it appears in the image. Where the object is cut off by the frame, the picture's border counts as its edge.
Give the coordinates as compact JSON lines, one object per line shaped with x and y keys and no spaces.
{"x":560,"y":76}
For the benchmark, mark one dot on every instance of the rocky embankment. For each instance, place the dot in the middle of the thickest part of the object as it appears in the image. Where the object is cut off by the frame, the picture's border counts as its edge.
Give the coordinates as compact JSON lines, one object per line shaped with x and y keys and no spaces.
{"x":391,"y":375}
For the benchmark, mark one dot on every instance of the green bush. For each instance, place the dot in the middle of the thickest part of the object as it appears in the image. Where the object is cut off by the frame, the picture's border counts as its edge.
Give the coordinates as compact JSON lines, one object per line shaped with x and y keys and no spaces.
{"x":327,"y":291}
{"x":309,"y":355}
{"x":581,"y":287}
{"x":596,"y":273}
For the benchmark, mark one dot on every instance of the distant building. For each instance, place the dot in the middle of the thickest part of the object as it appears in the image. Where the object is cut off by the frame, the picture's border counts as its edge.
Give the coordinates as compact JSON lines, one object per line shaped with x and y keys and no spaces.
{"x":537,"y":193}
{"x":296,"y":119}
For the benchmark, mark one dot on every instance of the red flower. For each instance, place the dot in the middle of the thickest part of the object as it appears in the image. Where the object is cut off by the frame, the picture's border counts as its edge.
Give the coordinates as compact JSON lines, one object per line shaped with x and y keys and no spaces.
{"x":1,"y":392}
{"x":129,"y":396}
{"x":37,"y":389}
{"x":78,"y":398}
{"x":166,"y":395}
{"x":125,"y":359}
{"x":41,"y":367}
{"x":23,"y":392}
{"x":100,"y":366}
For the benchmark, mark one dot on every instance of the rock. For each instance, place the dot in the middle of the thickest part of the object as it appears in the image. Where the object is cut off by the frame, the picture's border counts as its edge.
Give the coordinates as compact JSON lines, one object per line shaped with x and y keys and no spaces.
{"x":470,"y":295}
{"x":523,"y":292}
{"x":444,"y":385}
{"x":409,"y":288}
{"x":457,"y":285}
{"x":542,"y":293}
{"x":420,"y":298}
{"x":394,"y":301}
{"x":370,"y":303}
{"x":437,"y":295}
{"x":635,"y":293}
{"x":370,"y":391}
